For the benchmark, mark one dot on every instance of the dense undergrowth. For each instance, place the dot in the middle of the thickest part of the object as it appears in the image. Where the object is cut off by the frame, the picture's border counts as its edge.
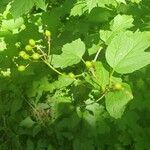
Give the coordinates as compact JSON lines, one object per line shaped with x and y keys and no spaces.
{"x":74,"y":75}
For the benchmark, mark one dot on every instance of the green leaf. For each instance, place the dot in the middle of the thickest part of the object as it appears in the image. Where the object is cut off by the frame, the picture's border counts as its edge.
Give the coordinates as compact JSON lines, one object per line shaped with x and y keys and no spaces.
{"x":40,"y":4}
{"x":96,"y":109}
{"x":2,"y":44}
{"x":71,"y":54}
{"x":126,"y":53}
{"x":106,"y":36}
{"x":50,"y":147}
{"x":136,"y":1}
{"x":44,"y":85}
{"x":16,"y":105}
{"x":105,"y":3}
{"x":121,"y":1}
{"x":27,"y":123}
{"x":91,"y":4}
{"x":118,"y":24}
{"x":70,"y":122}
{"x":101,"y":74}
{"x":39,"y":86}
{"x":30,"y":144}
{"x":90,"y":119}
{"x":116,"y":101}
{"x":121,"y":23}
{"x":82,"y":144}
{"x":82,"y":6}
{"x":12,"y":24}
{"x":60,"y":105}
{"x":94,"y":49}
{"x":62,"y":82}
{"x":5,"y":6}
{"x":23,"y":7}
{"x":79,"y":8}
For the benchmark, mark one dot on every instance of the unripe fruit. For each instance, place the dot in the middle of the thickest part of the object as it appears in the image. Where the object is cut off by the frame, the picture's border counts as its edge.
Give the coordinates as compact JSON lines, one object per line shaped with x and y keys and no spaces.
{"x":88,"y":64}
{"x":26,"y":56}
{"x":71,"y":75}
{"x":47,"y":33}
{"x":32,"y":42}
{"x":117,"y":86}
{"x":28,"y":47}
{"x":22,"y":53}
{"x":21,"y":68}
{"x":36,"y":56}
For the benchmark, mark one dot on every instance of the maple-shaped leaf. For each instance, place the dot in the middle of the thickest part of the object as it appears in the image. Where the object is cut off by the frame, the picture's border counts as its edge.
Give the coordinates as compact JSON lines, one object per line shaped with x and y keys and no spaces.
{"x":81,"y":6}
{"x":126,"y":52}
{"x":22,"y":7}
{"x":71,"y":54}
{"x":119,"y":24}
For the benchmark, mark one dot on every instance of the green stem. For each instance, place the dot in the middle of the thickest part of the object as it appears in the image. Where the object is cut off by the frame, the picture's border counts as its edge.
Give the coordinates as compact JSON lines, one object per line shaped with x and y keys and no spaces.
{"x":49,"y":46}
{"x":110,"y":76}
{"x":43,"y":53}
{"x":83,"y":60}
{"x":53,"y":68}
{"x":96,"y":100}
{"x":79,"y":75}
{"x":100,"y":98}
{"x":97,"y":54}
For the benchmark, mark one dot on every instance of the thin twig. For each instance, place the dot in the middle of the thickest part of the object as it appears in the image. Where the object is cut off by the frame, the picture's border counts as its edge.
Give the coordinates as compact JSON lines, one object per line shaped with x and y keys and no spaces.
{"x":38,"y":47}
{"x":79,"y":75}
{"x":53,"y":68}
{"x":96,"y":100}
{"x":49,"y":47}
{"x":83,"y":60}
{"x":97,"y":54}
{"x":110,"y":76}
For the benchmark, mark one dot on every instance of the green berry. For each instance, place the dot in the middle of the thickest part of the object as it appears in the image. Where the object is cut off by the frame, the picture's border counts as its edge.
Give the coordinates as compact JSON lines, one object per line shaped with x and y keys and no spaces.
{"x":71,"y":75}
{"x":26,"y":56}
{"x":117,"y":86}
{"x":88,"y":64}
{"x":22,"y":53}
{"x":21,"y":68}
{"x":28,"y":47}
{"x":32,"y":42}
{"x":47,"y":33}
{"x":36,"y":56}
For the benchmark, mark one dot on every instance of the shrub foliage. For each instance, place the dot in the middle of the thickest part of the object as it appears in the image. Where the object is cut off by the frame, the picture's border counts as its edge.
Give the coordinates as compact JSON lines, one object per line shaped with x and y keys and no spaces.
{"x":74,"y":75}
